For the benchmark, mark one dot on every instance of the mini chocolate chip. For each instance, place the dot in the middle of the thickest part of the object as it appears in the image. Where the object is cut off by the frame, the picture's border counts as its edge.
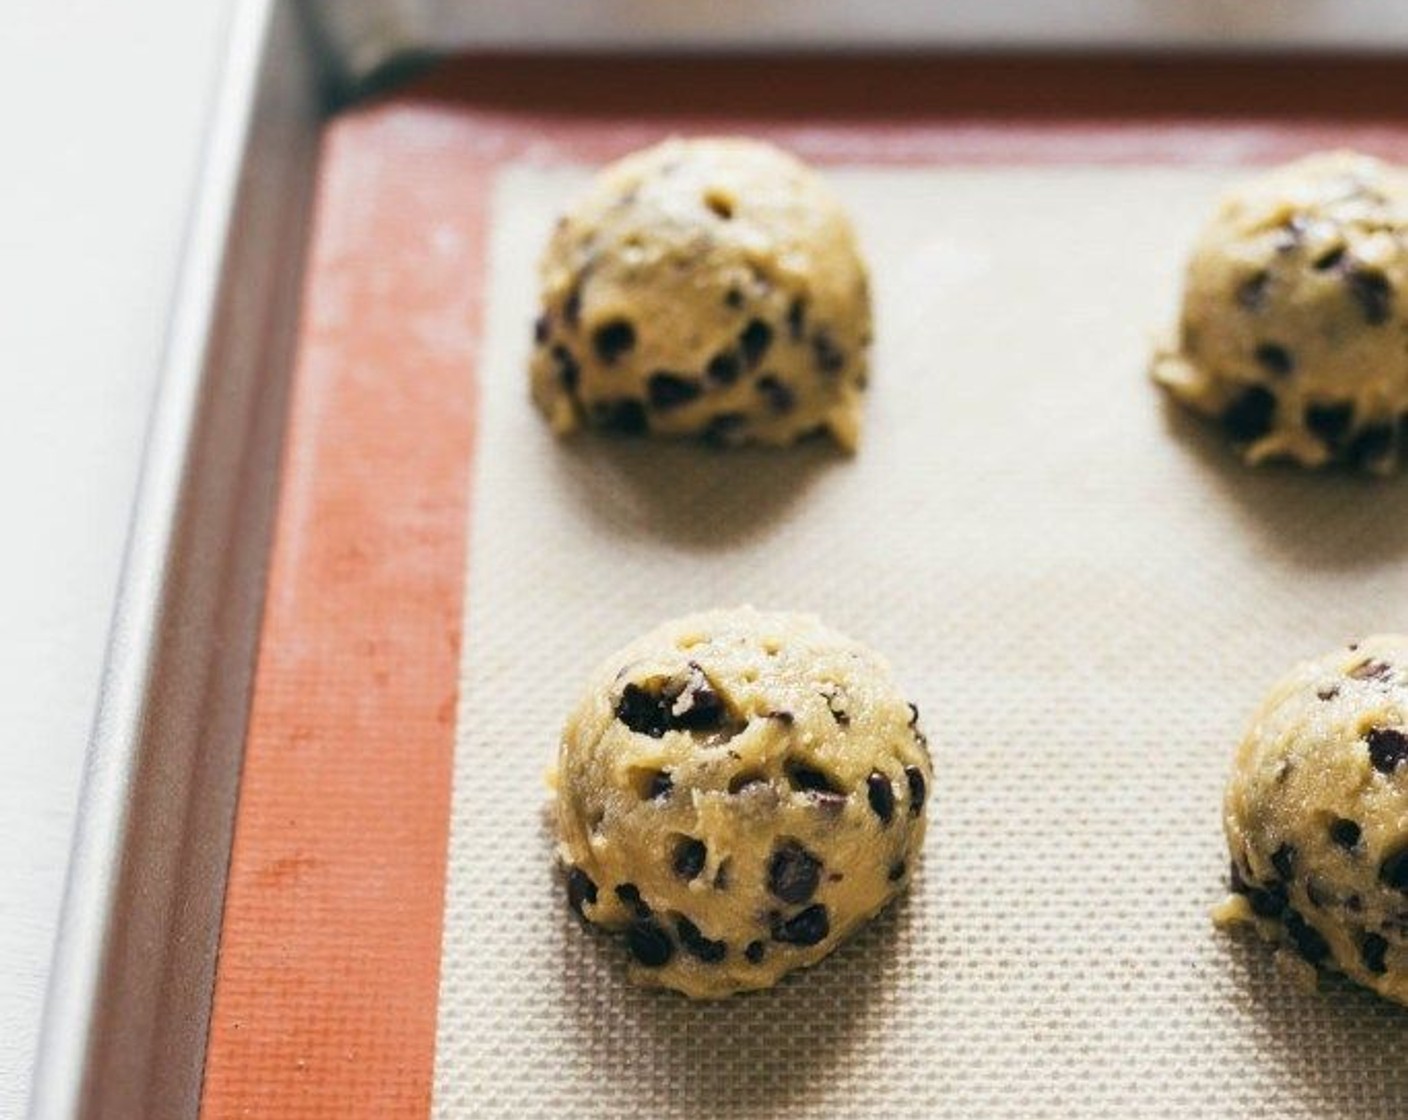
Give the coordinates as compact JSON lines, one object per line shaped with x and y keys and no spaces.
{"x":629,"y":894}
{"x":916,"y":789}
{"x":542,"y":328}
{"x":882,"y":796}
{"x":1283,"y":859}
{"x":725,"y":429}
{"x":807,"y":928}
{"x":1327,"y":261}
{"x":697,"y":945}
{"x":1275,"y":358}
{"x":567,"y":371}
{"x":649,"y":944}
{"x":1393,"y":871}
{"x":1251,"y":293}
{"x":1371,"y":669}
{"x":1249,"y":416}
{"x":613,"y":339}
{"x":660,"y":785}
{"x":829,"y":357}
{"x":777,"y":393}
{"x":809,"y":779}
{"x":754,"y":951}
{"x":1387,"y":748}
{"x":1372,"y":951}
{"x":796,"y":318}
{"x":1330,"y":422}
{"x":581,"y":891}
{"x":1328,"y":693}
{"x":1371,"y":446}
{"x":1354,"y":902}
{"x":793,"y":872}
{"x":733,"y":298}
{"x":897,"y":870}
{"x":1373,"y":293}
{"x":754,"y":341}
{"x":698,"y":705}
{"x":690,"y":855}
{"x":1306,"y":938}
{"x":1267,"y":903}
{"x":572,"y":307}
{"x":641,"y":711}
{"x":626,"y":416}
{"x":724,"y":367}
{"x":1345,"y":833}
{"x":670,"y":390}
{"x":1235,"y":881}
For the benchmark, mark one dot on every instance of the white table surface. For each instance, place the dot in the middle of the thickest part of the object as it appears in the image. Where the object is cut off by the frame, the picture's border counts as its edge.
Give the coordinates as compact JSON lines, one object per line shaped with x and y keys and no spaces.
{"x":102,"y":111}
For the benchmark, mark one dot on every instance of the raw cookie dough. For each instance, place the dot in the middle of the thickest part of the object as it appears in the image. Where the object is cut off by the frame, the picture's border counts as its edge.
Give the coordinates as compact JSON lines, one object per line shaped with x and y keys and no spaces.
{"x":707,"y":288}
{"x":1316,"y":814}
{"x":1293,"y":328}
{"x":738,"y":791}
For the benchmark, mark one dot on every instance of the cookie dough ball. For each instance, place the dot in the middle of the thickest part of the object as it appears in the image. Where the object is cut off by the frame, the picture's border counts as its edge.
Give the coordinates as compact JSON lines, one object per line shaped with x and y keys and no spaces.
{"x":707,"y":288}
{"x":738,"y":791}
{"x":1317,"y":817}
{"x":1295,"y":319}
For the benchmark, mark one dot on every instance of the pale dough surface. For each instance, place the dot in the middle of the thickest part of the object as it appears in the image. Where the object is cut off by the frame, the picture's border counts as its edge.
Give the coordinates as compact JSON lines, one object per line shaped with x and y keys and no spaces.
{"x":738,"y":791}
{"x":1294,"y":329}
{"x":1316,"y":815}
{"x":706,"y":288}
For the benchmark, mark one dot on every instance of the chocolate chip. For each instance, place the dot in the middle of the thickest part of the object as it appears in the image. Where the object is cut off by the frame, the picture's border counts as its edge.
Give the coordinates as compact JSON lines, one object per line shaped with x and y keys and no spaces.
{"x":1235,"y":880}
{"x":1372,"y":446}
{"x":793,"y":872}
{"x":1330,"y":422}
{"x":1372,"y":951}
{"x":626,"y":416}
{"x":1283,"y":859}
{"x":1328,"y":693}
{"x":685,"y":702}
{"x":1393,"y":871}
{"x":724,"y":367}
{"x":1371,"y":669}
{"x":1249,"y":416}
{"x":1345,"y":833}
{"x":882,"y":795}
{"x":1267,"y":903}
{"x":725,"y":429}
{"x":1387,"y":748}
{"x":776,"y":392}
{"x":1251,"y":293}
{"x":754,"y":341}
{"x":660,"y":785}
{"x":542,"y":328}
{"x":649,"y":944}
{"x":566,"y":369}
{"x":670,"y":390}
{"x":581,"y":891}
{"x":1274,"y":358}
{"x":629,"y":894}
{"x":572,"y":307}
{"x":1371,"y":290}
{"x":807,"y":928}
{"x":754,"y":952}
{"x":916,"y":789}
{"x":733,"y":298}
{"x":1306,"y":938}
{"x":897,"y":870}
{"x":613,"y":339}
{"x":641,"y":711}
{"x":796,"y":319}
{"x":1326,"y":261}
{"x":690,"y":855}
{"x":810,"y":780}
{"x":697,"y":945}
{"x":829,"y":357}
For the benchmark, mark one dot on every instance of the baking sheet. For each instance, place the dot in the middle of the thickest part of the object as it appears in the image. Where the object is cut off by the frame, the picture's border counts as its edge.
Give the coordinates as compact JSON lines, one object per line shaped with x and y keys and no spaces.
{"x":1085,"y":593}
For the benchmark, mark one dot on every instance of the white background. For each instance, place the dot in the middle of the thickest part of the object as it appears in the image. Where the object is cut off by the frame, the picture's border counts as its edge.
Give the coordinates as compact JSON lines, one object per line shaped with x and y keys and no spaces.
{"x":102,"y":108}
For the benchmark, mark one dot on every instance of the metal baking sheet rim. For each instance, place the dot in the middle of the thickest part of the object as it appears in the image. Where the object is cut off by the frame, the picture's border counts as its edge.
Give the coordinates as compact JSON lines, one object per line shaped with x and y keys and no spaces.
{"x":200,"y":532}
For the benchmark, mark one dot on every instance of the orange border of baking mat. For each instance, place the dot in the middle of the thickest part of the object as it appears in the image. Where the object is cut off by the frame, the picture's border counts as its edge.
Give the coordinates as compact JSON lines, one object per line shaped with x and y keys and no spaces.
{"x":325,"y":998}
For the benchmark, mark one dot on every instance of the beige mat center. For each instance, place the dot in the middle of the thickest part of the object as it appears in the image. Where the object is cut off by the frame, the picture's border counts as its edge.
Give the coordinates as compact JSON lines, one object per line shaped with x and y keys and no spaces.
{"x":1085,"y":594}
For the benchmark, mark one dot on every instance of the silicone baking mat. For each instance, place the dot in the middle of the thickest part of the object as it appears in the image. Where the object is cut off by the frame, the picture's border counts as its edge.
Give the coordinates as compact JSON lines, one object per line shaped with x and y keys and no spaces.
{"x":1084,"y":592}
